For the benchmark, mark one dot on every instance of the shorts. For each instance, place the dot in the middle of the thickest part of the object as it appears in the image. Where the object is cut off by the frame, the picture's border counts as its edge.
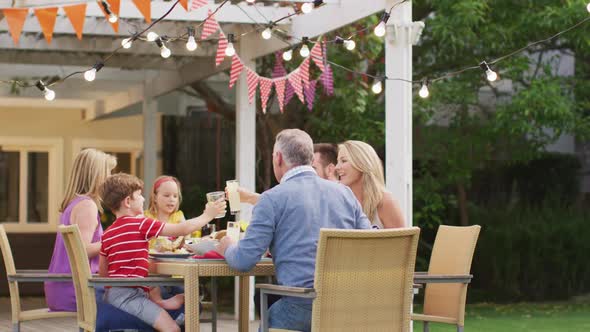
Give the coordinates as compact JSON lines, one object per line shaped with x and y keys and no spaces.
{"x":134,"y":301}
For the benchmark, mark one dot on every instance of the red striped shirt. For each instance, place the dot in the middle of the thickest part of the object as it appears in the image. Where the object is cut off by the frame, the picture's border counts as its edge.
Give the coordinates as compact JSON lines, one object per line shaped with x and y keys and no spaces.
{"x":125,"y":245}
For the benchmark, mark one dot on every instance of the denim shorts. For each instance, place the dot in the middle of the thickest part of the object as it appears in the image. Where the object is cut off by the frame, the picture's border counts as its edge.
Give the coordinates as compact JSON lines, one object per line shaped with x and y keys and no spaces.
{"x":134,"y":301}
{"x":285,"y":314}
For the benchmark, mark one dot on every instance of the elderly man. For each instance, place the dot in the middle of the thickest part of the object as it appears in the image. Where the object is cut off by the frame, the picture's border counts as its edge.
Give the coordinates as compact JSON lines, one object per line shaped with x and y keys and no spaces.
{"x":325,"y":158}
{"x":287,"y":219}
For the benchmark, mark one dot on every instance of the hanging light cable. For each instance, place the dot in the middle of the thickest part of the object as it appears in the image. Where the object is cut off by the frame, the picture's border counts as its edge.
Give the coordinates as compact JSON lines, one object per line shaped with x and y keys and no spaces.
{"x":107,"y":9}
{"x":191,"y":43}
{"x":230,"y":50}
{"x":47,"y":92}
{"x":490,"y":74}
{"x":90,"y":74}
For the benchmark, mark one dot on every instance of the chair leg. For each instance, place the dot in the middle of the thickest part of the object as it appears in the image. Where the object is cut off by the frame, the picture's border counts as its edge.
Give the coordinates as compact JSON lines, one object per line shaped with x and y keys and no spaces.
{"x":16,"y":327}
{"x":459,"y":328}
{"x":426,"y":326}
{"x":214,"y":302}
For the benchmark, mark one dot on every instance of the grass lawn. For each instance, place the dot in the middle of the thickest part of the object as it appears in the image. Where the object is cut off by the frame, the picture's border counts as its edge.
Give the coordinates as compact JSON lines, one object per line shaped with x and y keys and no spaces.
{"x":542,"y":317}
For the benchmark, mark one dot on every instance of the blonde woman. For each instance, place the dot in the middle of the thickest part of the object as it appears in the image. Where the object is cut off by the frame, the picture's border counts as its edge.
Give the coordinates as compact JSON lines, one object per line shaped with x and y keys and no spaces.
{"x":80,"y":206}
{"x":360,"y":168}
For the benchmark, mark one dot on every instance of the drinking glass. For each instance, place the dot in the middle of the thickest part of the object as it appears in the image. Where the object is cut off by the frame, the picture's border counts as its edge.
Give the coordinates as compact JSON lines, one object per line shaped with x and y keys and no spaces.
{"x":214,"y":197}
{"x":233,"y":231}
{"x":233,"y":196}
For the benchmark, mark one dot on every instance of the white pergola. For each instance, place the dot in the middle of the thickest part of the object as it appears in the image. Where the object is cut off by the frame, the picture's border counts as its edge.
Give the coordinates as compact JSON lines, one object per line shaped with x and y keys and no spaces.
{"x":139,"y":75}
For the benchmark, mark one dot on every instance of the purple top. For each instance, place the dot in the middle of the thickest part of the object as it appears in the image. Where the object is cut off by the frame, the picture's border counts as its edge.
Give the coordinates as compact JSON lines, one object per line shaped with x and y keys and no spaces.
{"x":60,"y":295}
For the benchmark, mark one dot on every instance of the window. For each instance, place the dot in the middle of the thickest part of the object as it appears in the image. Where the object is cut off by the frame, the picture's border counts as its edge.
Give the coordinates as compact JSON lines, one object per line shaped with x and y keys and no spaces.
{"x":127,"y":152}
{"x":30,"y":183}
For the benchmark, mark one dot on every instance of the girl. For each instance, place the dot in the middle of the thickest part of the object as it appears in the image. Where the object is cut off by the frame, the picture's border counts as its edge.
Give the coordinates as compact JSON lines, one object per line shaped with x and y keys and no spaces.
{"x":360,"y":168}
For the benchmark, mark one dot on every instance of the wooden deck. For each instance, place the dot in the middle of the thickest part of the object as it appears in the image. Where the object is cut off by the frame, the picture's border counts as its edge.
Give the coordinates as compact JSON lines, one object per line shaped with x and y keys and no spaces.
{"x":224,"y":324}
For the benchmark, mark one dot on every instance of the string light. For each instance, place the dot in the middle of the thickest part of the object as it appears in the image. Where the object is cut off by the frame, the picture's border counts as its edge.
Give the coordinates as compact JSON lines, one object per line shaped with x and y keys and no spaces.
{"x":380,"y":29}
{"x":348,"y":43}
{"x":47,"y":92}
{"x":90,"y":74}
{"x":267,"y":33}
{"x":588,"y":7}
{"x":191,"y":43}
{"x":288,"y":55}
{"x":164,"y":51}
{"x":307,"y":7}
{"x":127,"y":42}
{"x":250,"y":1}
{"x":152,"y":36}
{"x":424,"y":93}
{"x":304,"y":51}
{"x":107,"y":9}
{"x":377,"y":87}
{"x":230,"y":50}
{"x":490,"y":74}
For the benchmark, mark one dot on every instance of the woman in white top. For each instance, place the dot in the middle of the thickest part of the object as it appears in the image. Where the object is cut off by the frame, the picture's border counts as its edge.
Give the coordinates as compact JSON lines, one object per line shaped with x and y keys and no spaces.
{"x":360,"y":168}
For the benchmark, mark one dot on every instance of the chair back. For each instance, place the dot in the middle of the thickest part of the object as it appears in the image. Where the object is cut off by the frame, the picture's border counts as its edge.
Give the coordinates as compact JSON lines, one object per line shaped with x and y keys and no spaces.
{"x":85,"y":296}
{"x":10,"y":269}
{"x":452,"y":253}
{"x":364,"y":279}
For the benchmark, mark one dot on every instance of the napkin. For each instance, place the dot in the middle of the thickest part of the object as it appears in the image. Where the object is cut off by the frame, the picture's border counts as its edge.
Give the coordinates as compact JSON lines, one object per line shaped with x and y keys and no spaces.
{"x":212,"y":254}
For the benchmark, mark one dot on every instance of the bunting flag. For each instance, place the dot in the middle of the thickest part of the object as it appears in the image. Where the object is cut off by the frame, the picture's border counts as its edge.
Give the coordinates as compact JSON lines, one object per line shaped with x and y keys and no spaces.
{"x":184,"y":4}
{"x":252,"y":81}
{"x":265,"y":88}
{"x":316,"y":55}
{"x":15,"y":19}
{"x":210,"y":26}
{"x":327,"y":80}
{"x":280,"y":71}
{"x":310,"y":94}
{"x":46,"y":17}
{"x":115,"y":5}
{"x":289,"y":92}
{"x":280,"y":88}
{"x":145,"y":8}
{"x":221,"y":46}
{"x":236,"y":69}
{"x":196,"y":4}
{"x":295,"y":81}
{"x":76,"y":14}
{"x":305,"y":72}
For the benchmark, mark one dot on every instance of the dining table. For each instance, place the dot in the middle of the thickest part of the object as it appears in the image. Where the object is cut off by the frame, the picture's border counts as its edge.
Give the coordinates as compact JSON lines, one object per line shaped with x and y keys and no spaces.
{"x":192,"y":269}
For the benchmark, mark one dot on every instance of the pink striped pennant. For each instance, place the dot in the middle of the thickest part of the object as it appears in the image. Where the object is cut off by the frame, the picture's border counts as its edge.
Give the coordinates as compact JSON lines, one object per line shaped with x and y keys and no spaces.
{"x":265,"y":88}
{"x":210,"y":26}
{"x":305,"y":72}
{"x":252,"y":81}
{"x":310,"y":94}
{"x":280,"y":88}
{"x":316,"y":55}
{"x":236,"y":69}
{"x":327,"y":80}
{"x":196,"y":4}
{"x":295,"y":80}
{"x":220,"y":50}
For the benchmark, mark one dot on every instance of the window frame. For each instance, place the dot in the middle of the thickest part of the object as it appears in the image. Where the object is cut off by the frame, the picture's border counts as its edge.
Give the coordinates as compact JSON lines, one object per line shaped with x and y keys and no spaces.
{"x":53,"y":146}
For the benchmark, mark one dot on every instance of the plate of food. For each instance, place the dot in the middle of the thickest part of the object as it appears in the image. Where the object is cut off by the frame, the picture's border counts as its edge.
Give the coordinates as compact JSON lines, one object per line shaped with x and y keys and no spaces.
{"x":170,"y":254}
{"x":169,"y":248}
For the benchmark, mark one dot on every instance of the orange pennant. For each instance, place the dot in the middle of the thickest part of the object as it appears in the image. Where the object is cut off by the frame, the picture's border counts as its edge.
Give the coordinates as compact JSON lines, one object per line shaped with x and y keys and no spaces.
{"x":145,"y":7}
{"x":115,"y":5}
{"x":184,"y":4}
{"x":15,"y":19}
{"x":46,"y":17}
{"x":77,"y":15}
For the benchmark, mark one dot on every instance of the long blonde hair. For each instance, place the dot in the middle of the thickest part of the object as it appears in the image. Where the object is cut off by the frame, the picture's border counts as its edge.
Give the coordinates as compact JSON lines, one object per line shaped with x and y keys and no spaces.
{"x":89,"y":172}
{"x":153,"y":209}
{"x":363,"y":158}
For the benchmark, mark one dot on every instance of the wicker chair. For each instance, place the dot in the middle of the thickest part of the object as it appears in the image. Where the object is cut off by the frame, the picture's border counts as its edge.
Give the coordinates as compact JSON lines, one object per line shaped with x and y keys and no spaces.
{"x":84,"y":283}
{"x":363,"y":281}
{"x":15,"y":276}
{"x":452,"y":254}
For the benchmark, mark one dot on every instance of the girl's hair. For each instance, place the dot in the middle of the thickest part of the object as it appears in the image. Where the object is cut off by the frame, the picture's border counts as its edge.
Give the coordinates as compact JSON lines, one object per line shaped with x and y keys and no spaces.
{"x":89,"y":172}
{"x":153,"y":209}
{"x":364,"y":159}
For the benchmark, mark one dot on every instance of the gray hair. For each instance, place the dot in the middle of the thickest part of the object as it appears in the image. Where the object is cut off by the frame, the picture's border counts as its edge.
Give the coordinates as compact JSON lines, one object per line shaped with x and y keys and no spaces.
{"x":296,"y":147}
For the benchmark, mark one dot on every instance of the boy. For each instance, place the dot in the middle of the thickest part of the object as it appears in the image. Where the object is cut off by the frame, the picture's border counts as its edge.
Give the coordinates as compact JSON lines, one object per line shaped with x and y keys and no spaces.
{"x":124,"y":250}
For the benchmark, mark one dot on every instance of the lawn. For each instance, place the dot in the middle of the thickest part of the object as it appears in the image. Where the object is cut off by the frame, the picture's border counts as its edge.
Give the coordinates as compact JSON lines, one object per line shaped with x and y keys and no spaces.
{"x":543,"y":317}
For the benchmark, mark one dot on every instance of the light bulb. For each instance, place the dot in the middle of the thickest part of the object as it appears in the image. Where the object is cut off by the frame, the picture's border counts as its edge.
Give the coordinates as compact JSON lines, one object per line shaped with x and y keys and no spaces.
{"x":49,"y":94}
{"x":304,"y":51}
{"x":267,"y":33}
{"x":126,"y":43}
{"x":191,"y":44}
{"x":230,"y":50}
{"x":424,"y":93}
{"x":90,"y":74}
{"x":113,"y":18}
{"x":377,"y":88}
{"x":349,"y":44}
{"x":307,"y":7}
{"x":491,"y":75}
{"x":288,"y":55}
{"x":152,"y":36}
{"x":165,"y":52}
{"x":250,"y":1}
{"x":380,"y":29}
{"x":588,"y":7}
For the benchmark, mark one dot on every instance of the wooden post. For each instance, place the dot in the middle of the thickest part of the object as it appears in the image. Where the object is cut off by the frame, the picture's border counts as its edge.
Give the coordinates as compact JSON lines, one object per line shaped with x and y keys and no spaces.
{"x":150,"y":136}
